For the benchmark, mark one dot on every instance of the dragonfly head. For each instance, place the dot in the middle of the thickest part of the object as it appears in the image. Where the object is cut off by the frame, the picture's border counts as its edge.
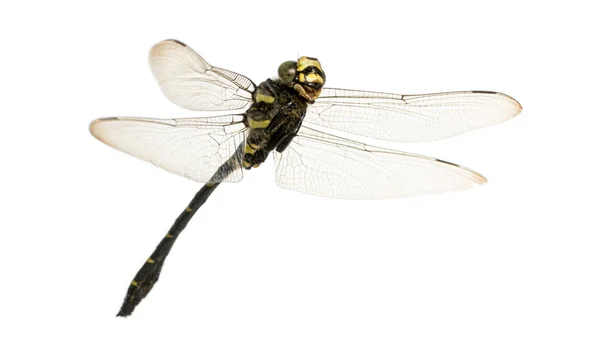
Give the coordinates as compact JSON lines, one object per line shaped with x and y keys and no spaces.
{"x":306,"y":77}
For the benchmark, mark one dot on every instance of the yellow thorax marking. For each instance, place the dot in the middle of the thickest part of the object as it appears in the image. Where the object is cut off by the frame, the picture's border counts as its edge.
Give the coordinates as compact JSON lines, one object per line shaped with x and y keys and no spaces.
{"x":246,"y":163}
{"x":301,"y":77}
{"x":258,"y":124}
{"x":249,"y":149}
{"x":264,"y":98}
{"x":305,"y":62}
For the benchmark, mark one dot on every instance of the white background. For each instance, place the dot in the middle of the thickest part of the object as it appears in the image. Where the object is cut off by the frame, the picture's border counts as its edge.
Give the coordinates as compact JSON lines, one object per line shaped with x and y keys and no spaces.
{"x":512,"y":264}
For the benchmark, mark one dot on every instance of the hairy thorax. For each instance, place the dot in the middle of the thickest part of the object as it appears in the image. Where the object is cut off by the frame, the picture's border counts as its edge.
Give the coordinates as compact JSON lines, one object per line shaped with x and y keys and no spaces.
{"x":273,"y":119}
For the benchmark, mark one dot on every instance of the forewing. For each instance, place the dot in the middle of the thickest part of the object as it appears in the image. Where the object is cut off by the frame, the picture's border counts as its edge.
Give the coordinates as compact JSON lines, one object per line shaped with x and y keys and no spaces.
{"x":322,"y":164}
{"x":409,"y":118}
{"x":194,"y":148}
{"x":190,"y":82}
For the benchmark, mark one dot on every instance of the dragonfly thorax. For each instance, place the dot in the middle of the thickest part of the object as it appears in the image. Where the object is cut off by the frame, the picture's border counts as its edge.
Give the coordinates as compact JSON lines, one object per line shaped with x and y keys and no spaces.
{"x":273,"y":120}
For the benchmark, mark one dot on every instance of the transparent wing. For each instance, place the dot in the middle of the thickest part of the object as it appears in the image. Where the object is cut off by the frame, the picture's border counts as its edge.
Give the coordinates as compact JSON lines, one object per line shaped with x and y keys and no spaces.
{"x":194,"y":148}
{"x":409,"y":118}
{"x":190,"y":82}
{"x":322,"y":164}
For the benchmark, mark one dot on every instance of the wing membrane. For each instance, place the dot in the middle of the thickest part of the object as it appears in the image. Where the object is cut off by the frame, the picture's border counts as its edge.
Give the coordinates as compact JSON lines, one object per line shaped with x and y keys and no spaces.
{"x":193,"y":148}
{"x":190,"y":82}
{"x":322,"y":164}
{"x":410,"y":118}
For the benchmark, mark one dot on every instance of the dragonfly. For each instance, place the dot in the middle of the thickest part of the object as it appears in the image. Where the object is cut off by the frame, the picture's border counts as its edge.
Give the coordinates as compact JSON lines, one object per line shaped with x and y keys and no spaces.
{"x":312,"y":131}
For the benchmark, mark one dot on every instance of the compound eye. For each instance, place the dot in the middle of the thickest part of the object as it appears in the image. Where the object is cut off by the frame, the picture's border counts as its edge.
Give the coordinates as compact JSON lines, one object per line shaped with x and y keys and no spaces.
{"x":287,"y":71}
